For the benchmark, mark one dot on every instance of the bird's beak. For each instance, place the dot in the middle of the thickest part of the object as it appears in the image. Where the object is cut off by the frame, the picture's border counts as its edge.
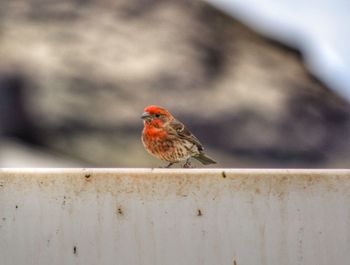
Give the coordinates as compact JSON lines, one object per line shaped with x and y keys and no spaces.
{"x":145,"y":116}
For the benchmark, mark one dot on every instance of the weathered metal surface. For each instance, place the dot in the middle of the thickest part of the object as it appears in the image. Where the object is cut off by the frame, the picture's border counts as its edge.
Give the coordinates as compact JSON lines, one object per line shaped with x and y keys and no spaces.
{"x":173,"y":217}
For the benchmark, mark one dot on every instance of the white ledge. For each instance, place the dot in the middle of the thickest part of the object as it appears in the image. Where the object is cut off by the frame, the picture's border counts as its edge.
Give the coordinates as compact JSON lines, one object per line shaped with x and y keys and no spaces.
{"x":176,"y":170}
{"x":134,"y":216}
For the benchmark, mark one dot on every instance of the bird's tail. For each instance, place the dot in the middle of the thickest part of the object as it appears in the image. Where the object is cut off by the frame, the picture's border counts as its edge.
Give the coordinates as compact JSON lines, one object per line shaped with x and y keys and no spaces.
{"x":204,"y":159}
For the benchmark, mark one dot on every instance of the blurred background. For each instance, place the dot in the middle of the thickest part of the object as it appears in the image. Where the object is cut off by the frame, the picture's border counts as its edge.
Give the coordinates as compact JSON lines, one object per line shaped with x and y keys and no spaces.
{"x":261,"y":84}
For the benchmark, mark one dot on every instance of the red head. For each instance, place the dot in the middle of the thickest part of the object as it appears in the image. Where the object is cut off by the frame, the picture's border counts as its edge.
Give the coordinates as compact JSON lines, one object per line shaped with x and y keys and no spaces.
{"x":155,"y":116}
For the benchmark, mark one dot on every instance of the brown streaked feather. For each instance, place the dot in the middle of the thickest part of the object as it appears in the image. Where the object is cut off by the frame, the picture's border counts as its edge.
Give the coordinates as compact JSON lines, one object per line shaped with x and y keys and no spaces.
{"x":182,"y":132}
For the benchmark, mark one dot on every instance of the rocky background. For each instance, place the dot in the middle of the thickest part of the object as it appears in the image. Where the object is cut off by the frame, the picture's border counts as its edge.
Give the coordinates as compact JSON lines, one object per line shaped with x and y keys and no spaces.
{"x":76,"y":75}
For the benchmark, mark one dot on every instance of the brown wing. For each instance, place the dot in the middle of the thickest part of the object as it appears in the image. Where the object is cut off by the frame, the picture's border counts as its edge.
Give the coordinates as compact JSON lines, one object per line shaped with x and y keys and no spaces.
{"x":182,"y":132}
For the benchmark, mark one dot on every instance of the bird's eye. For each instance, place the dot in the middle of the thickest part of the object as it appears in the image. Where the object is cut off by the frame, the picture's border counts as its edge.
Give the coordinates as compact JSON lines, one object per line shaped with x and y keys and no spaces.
{"x":157,"y":115}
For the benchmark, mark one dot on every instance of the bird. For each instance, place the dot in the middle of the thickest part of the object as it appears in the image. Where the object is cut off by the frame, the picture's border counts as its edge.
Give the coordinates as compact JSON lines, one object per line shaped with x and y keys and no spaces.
{"x":168,"y":139}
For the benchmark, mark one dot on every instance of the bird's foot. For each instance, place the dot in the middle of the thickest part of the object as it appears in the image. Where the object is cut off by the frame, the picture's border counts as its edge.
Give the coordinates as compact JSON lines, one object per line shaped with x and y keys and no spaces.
{"x":188,"y":164}
{"x":168,"y":166}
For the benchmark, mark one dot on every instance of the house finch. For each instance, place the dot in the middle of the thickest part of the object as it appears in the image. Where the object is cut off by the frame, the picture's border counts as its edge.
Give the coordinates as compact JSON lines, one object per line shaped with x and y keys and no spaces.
{"x":168,"y":139}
